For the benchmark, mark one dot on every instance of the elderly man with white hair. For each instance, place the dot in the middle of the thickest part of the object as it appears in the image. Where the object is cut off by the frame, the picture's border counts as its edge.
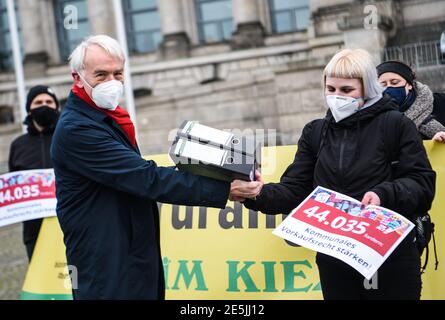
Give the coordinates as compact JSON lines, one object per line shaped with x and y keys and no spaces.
{"x":107,"y":193}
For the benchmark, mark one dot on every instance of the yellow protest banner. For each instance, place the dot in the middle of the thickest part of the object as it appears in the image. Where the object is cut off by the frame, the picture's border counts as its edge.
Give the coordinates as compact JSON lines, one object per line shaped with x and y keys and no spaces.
{"x":230,"y":253}
{"x":47,"y":277}
{"x":433,"y":280}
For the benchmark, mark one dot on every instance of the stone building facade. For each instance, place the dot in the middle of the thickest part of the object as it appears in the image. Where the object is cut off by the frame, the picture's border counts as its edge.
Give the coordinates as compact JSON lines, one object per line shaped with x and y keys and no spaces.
{"x":229,"y":64}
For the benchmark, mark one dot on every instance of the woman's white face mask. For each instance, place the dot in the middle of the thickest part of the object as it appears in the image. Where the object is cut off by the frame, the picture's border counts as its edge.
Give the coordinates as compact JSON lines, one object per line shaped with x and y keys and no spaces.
{"x":342,"y":106}
{"x":106,"y":95}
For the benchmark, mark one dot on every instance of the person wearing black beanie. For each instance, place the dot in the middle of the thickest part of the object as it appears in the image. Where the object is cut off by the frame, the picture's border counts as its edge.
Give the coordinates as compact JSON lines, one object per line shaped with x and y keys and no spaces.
{"x":397,"y":67}
{"x":414,"y":99}
{"x":32,"y":150}
{"x":37,"y":90}
{"x":42,"y":106}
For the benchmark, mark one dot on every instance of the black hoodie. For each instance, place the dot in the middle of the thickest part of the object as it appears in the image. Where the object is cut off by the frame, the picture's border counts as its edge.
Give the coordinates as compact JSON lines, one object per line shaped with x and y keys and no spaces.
{"x":353,"y":160}
{"x":27,"y":152}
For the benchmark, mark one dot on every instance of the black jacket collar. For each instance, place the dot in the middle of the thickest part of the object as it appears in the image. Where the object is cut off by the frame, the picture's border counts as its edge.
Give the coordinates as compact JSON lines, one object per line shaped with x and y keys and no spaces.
{"x":32,"y":130}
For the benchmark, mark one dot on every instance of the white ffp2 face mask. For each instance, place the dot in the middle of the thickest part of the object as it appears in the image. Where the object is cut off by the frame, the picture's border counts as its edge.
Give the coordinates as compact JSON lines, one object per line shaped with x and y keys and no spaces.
{"x":341,"y":106}
{"x":106,"y":95}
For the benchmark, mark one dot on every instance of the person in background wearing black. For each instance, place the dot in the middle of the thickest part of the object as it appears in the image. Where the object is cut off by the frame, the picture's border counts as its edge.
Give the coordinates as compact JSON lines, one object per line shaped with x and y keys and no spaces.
{"x":414,"y":99}
{"x":439,"y":107}
{"x":32,"y":150}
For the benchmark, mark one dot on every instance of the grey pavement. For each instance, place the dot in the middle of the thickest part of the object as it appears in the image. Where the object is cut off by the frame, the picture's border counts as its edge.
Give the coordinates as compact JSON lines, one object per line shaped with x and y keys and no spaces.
{"x":13,"y":262}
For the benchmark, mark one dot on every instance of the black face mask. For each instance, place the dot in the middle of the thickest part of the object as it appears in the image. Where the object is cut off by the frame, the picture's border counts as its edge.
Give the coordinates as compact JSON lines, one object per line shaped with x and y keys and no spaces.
{"x":45,"y":116}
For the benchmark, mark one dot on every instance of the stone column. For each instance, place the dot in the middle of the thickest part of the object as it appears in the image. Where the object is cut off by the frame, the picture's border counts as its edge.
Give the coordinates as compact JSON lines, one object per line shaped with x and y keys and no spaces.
{"x":101,"y":17}
{"x":368,"y":28}
{"x":249,"y":29}
{"x":176,"y":43}
{"x":36,"y":56}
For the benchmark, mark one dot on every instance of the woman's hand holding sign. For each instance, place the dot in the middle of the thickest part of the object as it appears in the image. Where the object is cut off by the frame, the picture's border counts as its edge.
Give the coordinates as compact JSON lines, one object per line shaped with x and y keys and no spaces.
{"x":371,"y":198}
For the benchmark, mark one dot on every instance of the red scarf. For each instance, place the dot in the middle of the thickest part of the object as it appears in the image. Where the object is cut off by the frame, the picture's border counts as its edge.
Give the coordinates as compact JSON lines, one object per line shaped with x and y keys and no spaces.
{"x":119,"y":115}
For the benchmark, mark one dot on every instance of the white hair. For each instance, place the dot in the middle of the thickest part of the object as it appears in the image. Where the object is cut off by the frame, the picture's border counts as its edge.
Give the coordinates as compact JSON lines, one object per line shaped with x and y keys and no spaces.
{"x":355,"y":64}
{"x":109,"y":44}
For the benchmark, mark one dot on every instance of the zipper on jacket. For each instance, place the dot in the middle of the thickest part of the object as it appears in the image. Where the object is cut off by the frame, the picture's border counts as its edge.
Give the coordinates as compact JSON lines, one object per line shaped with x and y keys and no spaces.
{"x":42,"y":145}
{"x":342,"y":151}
